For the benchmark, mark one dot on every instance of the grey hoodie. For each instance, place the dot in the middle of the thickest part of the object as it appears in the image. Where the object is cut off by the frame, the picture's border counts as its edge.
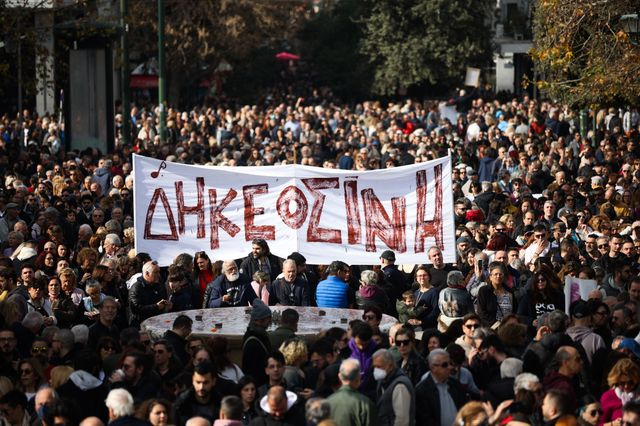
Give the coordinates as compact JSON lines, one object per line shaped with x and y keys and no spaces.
{"x":589,"y":340}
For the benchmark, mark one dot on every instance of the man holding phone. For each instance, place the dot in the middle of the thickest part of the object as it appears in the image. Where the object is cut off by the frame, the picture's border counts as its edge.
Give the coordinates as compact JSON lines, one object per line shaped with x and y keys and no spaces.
{"x":146,"y":296}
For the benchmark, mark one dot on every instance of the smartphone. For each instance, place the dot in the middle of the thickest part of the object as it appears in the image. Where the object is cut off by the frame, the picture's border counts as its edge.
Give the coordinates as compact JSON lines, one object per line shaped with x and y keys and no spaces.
{"x":481,"y":264}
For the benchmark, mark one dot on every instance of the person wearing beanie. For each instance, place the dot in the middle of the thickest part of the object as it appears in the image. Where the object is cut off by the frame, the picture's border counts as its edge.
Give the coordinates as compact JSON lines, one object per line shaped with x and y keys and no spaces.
{"x":255,"y":343}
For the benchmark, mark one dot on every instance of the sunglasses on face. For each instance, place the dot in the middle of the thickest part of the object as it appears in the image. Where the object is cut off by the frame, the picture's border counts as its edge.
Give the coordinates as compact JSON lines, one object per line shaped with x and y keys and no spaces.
{"x":403,"y":342}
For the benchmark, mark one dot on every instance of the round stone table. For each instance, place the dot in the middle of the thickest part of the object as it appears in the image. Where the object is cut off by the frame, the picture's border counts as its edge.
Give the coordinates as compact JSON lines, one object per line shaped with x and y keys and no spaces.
{"x":232,"y":322}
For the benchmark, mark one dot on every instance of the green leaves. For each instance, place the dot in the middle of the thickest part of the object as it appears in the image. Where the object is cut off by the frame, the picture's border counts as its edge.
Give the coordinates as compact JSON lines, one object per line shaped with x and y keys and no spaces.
{"x":413,"y":42}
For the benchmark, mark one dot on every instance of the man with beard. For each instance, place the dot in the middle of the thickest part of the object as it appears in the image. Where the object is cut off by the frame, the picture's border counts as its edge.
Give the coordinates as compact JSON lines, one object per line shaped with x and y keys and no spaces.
{"x":289,"y":290}
{"x":226,"y":290}
{"x":260,"y":259}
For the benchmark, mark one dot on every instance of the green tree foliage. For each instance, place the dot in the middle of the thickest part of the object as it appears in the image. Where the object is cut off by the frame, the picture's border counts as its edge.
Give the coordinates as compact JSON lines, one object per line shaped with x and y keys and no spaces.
{"x":582,"y":53}
{"x":413,"y":42}
{"x":200,"y":33}
{"x":330,"y":42}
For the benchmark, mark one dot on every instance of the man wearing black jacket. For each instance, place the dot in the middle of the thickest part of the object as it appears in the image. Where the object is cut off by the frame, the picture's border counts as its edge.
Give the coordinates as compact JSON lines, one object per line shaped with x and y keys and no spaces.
{"x":147,"y":297}
{"x":201,"y":400}
{"x":438,"y":395}
{"x":260,"y":259}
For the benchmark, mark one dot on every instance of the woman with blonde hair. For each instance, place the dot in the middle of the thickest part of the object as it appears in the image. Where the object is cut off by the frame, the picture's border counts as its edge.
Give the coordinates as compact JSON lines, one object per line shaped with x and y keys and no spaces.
{"x":623,"y":379}
{"x":295,"y":356}
{"x":59,"y":375}
{"x":509,"y":223}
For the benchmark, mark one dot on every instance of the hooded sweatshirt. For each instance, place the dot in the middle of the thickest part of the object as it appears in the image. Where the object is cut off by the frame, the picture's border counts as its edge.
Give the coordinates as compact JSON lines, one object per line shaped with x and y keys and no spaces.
{"x":589,"y":340}
{"x":366,"y":361}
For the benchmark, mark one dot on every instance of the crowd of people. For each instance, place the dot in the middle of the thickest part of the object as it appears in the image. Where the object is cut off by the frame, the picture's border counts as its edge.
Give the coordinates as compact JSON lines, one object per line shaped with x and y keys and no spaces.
{"x":485,"y":340}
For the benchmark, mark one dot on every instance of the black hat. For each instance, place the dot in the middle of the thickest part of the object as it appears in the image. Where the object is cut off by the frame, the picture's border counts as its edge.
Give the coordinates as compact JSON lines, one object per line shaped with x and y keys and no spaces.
{"x":388,"y":255}
{"x":580,"y":309}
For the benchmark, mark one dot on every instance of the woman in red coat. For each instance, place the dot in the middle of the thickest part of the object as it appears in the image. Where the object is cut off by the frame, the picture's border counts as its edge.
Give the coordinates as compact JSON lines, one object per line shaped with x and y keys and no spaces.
{"x":623,"y":379}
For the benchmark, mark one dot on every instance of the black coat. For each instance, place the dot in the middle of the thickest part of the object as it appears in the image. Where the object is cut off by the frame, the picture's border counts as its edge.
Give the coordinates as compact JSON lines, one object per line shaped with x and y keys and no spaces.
{"x":186,"y":406}
{"x":488,"y":304}
{"x":250,"y":266}
{"x":255,"y":348}
{"x":288,"y":295}
{"x":143,"y":297}
{"x":428,"y":400}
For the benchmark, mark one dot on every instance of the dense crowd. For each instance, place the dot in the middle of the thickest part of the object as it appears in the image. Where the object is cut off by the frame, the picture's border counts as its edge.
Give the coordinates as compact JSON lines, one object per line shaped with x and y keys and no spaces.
{"x":485,"y":340}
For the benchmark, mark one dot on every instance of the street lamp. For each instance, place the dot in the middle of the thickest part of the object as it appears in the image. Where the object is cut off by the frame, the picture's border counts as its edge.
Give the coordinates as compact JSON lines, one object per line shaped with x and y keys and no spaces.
{"x":631,"y":26}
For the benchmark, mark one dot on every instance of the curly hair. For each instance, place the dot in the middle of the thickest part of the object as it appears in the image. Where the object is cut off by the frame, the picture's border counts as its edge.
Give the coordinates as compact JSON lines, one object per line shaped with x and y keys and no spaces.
{"x":294,"y":350}
{"x":624,"y":368}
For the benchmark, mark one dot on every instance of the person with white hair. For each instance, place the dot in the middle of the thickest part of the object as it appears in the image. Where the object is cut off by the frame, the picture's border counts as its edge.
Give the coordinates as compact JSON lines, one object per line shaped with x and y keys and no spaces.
{"x":147,"y":297}
{"x":80,"y":334}
{"x":111,"y":245}
{"x":228,"y":289}
{"x":119,"y":402}
{"x":396,"y":400}
{"x":289,"y":289}
{"x":502,"y":390}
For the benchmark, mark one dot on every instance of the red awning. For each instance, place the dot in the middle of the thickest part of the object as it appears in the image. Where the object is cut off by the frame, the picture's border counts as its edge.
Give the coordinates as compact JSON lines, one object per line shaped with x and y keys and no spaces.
{"x":286,"y":56}
{"x":138,"y":81}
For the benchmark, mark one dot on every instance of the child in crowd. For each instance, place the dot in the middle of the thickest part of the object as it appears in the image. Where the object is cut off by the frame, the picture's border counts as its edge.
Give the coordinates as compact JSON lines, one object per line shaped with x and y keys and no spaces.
{"x":407,"y":311}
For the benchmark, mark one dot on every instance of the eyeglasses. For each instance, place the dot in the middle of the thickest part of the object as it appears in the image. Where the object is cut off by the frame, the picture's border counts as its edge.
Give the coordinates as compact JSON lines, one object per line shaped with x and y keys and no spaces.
{"x":602,"y":245}
{"x":472,"y":326}
{"x":26,"y":371}
{"x":628,"y":383}
{"x":500,"y":229}
{"x":403,"y":342}
{"x":443,"y":365}
{"x":108,"y":348}
{"x":539,"y":235}
{"x":541,"y":279}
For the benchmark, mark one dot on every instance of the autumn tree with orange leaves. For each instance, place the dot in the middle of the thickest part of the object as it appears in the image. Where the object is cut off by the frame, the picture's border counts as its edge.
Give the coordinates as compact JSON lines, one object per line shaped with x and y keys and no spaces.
{"x":582,"y":53}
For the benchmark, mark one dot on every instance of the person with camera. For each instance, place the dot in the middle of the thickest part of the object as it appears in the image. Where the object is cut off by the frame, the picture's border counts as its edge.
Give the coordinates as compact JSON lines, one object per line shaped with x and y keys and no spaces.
{"x":228,"y":289}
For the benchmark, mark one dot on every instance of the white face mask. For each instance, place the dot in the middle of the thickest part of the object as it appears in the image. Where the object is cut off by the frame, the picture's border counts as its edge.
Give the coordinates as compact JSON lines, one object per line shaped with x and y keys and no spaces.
{"x":379,"y":374}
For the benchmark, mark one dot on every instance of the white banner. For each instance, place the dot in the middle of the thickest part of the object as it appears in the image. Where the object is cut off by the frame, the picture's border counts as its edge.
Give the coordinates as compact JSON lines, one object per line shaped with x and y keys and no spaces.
{"x":324,"y":214}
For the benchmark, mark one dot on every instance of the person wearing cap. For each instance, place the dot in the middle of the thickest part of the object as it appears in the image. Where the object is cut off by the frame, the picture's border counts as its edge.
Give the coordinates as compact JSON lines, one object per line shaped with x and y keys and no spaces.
{"x":463,"y":244}
{"x":394,"y":283}
{"x":581,"y":331}
{"x":256,"y":344}
{"x":334,"y":291}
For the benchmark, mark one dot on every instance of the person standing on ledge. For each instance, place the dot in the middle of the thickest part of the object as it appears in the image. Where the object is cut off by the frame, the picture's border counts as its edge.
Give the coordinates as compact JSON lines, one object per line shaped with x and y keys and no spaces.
{"x":260,"y":259}
{"x":255,"y":343}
